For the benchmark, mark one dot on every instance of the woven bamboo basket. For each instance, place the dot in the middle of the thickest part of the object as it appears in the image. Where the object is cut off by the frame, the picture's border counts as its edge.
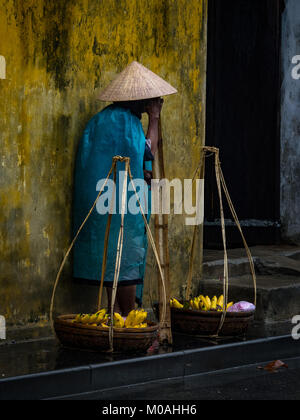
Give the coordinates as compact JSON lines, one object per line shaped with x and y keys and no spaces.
{"x":74,"y":335}
{"x":212,"y":323}
{"x":207,"y":323}
{"x":203,"y":323}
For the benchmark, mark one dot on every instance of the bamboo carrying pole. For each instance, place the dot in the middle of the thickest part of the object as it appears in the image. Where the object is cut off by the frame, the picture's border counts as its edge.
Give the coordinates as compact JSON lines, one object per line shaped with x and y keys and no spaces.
{"x":201,"y":171}
{"x":106,"y":239}
{"x":119,"y":253}
{"x":221,"y":186}
{"x":162,"y":244}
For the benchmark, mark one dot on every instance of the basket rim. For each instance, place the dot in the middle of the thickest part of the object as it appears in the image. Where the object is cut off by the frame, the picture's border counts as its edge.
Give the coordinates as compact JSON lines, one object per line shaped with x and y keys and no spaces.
{"x":214,"y":314}
{"x":65,"y":320}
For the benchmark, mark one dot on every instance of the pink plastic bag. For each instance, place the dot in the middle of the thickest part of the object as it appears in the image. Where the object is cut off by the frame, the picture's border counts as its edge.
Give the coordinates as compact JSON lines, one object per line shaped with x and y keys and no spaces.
{"x":242,"y":307}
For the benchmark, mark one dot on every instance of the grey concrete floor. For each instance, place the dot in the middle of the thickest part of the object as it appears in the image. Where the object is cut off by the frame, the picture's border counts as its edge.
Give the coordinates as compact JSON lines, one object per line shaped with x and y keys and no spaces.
{"x":243,"y":383}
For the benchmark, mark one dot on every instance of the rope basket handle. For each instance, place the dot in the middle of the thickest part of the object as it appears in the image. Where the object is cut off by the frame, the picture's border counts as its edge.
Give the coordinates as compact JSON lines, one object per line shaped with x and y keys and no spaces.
{"x":120,"y":245}
{"x":221,"y":185}
{"x":72,"y":245}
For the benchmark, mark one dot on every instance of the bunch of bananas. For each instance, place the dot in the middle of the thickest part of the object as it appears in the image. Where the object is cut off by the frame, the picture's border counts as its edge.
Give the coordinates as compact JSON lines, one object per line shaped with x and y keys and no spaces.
{"x":174,"y":303}
{"x":99,"y":318}
{"x":202,"y":303}
{"x":135,"y":319}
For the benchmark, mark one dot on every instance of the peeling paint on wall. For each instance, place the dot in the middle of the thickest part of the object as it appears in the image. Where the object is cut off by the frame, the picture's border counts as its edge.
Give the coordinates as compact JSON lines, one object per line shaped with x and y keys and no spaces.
{"x":60,"y":55}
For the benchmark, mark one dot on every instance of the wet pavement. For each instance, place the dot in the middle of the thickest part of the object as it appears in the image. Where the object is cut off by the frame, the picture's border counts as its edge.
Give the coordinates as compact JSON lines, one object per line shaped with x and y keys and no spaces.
{"x":45,"y":355}
{"x":245,"y":383}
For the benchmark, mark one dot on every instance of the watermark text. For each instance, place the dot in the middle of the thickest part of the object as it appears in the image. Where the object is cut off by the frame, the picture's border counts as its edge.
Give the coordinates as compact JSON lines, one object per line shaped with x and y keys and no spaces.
{"x":188,"y":198}
{"x":296,"y":329}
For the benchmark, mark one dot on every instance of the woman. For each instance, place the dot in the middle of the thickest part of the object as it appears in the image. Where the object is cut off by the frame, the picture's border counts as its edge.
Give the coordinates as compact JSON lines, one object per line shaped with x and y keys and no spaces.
{"x":117,"y":131}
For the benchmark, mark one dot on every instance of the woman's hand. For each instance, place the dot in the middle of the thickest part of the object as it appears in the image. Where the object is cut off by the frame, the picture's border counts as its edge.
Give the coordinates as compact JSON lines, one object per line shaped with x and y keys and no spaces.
{"x":154,"y":108}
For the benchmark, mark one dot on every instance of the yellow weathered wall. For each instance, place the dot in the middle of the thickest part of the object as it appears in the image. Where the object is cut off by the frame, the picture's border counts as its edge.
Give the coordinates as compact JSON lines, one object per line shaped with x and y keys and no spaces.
{"x":59,"y":55}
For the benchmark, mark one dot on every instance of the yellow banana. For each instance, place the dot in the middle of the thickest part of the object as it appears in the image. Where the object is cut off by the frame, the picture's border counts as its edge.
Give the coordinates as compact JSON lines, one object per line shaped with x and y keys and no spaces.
{"x":140,"y":317}
{"x":93,"y":319}
{"x":130,"y":320}
{"x":85,"y":319}
{"x":144,"y":325}
{"x":203,"y":302}
{"x":100,"y":318}
{"x":208,"y":303}
{"x":214,"y":303}
{"x":78,"y":318}
{"x":118,"y":320}
{"x":101,"y":313}
{"x":177,"y":304}
{"x":220,"y":302}
{"x":230,"y":305}
{"x":197,"y":304}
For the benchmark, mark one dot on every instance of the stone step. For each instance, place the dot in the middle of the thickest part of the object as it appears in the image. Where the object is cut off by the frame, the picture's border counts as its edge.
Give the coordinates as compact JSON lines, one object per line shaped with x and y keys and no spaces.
{"x":271,"y":260}
{"x":278,"y":297}
{"x":236,"y":266}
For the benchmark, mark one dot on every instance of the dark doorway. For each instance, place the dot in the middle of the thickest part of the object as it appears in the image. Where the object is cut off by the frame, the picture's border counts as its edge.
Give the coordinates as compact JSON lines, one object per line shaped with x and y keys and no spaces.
{"x":243,"y":117}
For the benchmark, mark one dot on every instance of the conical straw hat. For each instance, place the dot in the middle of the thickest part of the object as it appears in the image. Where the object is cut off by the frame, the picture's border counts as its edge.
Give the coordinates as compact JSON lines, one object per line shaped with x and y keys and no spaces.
{"x":135,"y":83}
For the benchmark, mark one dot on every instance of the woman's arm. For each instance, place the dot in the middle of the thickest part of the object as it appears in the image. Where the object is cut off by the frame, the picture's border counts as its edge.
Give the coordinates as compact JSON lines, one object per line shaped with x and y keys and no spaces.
{"x":153,"y":110}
